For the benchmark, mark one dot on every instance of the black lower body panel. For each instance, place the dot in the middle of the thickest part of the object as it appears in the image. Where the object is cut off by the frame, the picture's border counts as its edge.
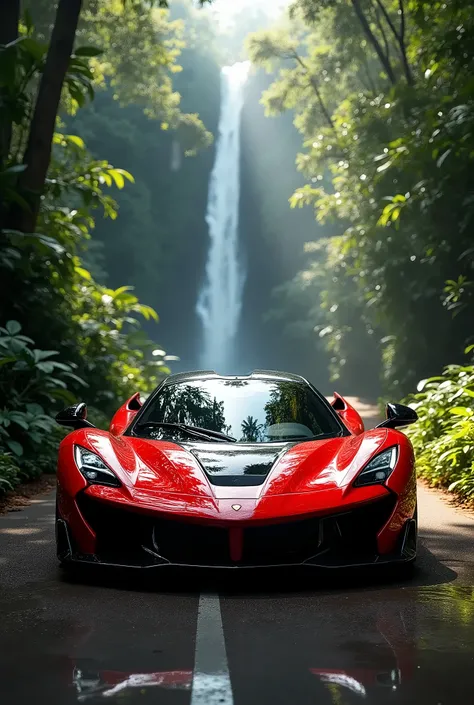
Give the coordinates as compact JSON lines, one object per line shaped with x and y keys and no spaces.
{"x":128,"y":538}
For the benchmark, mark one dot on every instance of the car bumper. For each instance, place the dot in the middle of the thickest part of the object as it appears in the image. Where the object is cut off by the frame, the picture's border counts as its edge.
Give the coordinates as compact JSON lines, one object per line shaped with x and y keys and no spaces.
{"x":348,"y":538}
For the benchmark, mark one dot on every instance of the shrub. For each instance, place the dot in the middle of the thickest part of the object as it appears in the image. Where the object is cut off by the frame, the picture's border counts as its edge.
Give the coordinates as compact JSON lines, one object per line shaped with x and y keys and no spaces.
{"x":29,"y":378}
{"x":443,"y":438}
{"x":9,"y":472}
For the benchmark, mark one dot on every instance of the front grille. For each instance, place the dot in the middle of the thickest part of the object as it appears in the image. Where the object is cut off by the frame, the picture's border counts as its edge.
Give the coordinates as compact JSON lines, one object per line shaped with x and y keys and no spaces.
{"x":287,"y":542}
{"x":346,"y":537}
{"x":121,"y":535}
{"x":351,"y":536}
{"x":194,"y":544}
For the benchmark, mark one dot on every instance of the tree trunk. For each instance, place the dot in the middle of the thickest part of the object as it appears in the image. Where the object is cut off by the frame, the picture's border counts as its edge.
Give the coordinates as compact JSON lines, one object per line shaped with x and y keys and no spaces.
{"x":9,"y":19}
{"x":384,"y":60}
{"x":38,"y":150}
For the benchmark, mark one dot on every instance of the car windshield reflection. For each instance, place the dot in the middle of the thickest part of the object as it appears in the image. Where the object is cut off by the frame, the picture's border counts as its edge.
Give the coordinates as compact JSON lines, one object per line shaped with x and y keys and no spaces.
{"x":243,"y":411}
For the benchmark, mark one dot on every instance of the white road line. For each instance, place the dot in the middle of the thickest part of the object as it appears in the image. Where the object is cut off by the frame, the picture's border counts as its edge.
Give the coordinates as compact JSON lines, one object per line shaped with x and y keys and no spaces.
{"x":211,"y":679}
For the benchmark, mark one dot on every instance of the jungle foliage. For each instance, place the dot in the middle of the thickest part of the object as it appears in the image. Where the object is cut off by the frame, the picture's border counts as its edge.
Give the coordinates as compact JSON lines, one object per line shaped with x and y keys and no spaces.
{"x":382,"y":92}
{"x":443,"y":437}
{"x":383,"y":97}
{"x":64,"y":335}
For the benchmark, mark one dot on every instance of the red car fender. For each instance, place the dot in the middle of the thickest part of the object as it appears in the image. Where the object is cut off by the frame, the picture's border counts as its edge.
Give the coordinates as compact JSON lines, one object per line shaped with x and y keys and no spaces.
{"x":349,"y":416}
{"x":68,"y":485}
{"x":123,"y":417}
{"x":402,"y":481}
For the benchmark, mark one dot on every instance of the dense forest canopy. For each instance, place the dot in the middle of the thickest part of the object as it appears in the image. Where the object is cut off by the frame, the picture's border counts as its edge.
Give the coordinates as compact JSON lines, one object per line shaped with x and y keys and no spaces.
{"x":381,"y":93}
{"x":355,"y":210}
{"x":65,"y":333}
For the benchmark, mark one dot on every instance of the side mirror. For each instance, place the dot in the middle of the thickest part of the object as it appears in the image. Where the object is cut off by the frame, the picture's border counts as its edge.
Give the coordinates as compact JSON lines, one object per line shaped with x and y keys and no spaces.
{"x":398,"y":415}
{"x":74,"y":417}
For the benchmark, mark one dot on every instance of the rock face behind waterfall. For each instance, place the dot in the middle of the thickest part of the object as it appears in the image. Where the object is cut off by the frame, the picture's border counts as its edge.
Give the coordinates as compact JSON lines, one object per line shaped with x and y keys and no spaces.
{"x":220,"y":301}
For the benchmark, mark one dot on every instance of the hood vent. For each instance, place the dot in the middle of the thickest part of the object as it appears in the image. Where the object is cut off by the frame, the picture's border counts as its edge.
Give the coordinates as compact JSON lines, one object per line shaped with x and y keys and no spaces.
{"x":231,"y":466}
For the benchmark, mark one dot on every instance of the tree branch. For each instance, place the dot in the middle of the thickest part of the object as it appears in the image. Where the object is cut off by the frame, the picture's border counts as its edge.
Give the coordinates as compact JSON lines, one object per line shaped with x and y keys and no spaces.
{"x":399,"y":36}
{"x":403,"y":49}
{"x":316,"y":89}
{"x":381,"y":29}
{"x":383,"y":58}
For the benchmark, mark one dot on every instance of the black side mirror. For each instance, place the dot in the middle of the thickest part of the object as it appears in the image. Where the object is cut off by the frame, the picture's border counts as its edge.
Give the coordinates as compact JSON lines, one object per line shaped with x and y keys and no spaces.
{"x":74,"y":416}
{"x":398,"y":415}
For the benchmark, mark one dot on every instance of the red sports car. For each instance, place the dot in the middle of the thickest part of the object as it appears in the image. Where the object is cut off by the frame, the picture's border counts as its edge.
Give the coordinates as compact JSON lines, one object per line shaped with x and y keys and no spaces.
{"x":236,"y":472}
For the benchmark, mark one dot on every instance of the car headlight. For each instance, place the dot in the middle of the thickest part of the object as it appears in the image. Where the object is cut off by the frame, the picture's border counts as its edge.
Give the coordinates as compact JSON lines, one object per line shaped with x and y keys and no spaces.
{"x":379,"y":469}
{"x":94,"y":469}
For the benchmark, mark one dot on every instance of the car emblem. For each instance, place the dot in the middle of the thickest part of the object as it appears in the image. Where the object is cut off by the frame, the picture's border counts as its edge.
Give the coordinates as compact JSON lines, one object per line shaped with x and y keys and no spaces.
{"x":236,"y":507}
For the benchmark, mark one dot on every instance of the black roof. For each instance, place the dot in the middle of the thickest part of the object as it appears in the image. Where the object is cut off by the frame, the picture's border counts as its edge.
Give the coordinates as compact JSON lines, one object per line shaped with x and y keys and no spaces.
{"x":256,"y":374}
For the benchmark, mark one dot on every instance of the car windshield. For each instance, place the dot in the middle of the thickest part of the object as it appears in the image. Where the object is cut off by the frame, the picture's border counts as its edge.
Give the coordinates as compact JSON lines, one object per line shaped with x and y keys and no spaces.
{"x":249,"y":411}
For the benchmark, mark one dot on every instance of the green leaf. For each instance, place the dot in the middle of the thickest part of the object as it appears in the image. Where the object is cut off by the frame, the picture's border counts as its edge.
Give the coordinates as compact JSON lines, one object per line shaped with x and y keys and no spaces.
{"x":76,"y":140}
{"x":46,"y":367}
{"x":117,"y":177}
{"x":121,"y":290}
{"x":77,"y":379}
{"x":50,"y":242}
{"x":35,"y":409}
{"x":54,"y":381}
{"x":454,"y":484}
{"x":6,"y":483}
{"x":148,"y":312}
{"x":36,"y":49}
{"x":43,"y":354}
{"x":15,"y":447}
{"x":443,"y":158}
{"x":83,"y":273}
{"x":21,"y":422}
{"x":461,"y":411}
{"x":13,"y":327}
{"x":384,"y":167}
{"x":6,"y":360}
{"x":61,"y":366}
{"x":28,"y":21}
{"x":88,"y":51}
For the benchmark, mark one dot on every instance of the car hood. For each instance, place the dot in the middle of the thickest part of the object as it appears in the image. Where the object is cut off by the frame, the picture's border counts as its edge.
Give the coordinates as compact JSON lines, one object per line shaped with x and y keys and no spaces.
{"x":227,"y":470}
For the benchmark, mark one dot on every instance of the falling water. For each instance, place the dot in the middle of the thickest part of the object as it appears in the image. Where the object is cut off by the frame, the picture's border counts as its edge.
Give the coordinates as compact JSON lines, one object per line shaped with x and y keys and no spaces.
{"x":220,"y":300}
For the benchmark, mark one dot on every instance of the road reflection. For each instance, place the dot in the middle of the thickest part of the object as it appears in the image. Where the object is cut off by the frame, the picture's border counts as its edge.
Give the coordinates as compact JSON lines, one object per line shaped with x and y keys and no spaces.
{"x":90,"y":683}
{"x":409,"y":646}
{"x":370,"y":646}
{"x":378,"y":645}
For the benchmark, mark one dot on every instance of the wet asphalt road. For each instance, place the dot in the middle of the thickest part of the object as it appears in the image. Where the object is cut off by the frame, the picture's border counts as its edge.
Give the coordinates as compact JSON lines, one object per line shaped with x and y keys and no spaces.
{"x":257,"y":640}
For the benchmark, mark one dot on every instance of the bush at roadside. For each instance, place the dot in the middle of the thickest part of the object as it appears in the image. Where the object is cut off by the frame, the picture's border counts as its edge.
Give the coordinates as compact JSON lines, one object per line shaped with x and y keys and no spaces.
{"x":30,"y":381}
{"x":443,"y":438}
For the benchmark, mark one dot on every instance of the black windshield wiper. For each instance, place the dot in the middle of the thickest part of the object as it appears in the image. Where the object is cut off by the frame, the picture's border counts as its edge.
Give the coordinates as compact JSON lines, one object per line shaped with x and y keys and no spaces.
{"x":195,"y":431}
{"x":210,"y":432}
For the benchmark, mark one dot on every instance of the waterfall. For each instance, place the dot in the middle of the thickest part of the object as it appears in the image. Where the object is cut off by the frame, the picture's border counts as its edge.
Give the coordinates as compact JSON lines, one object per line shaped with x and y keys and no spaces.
{"x":220,"y":301}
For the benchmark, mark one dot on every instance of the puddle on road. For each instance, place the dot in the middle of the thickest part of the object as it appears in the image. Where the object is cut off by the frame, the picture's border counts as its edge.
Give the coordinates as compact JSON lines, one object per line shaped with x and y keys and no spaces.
{"x":408,"y":646}
{"x":91,"y":684}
